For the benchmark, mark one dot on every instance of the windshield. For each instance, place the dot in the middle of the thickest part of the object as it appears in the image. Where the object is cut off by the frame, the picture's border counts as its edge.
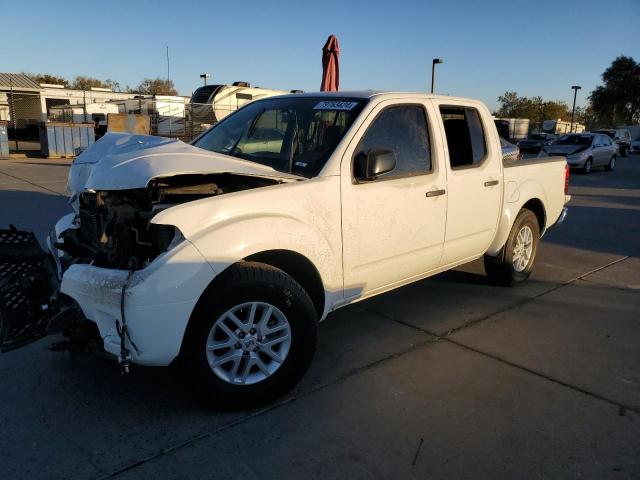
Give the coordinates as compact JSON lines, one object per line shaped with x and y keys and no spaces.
{"x":536,"y":136}
{"x":294,"y":134}
{"x":574,"y":140}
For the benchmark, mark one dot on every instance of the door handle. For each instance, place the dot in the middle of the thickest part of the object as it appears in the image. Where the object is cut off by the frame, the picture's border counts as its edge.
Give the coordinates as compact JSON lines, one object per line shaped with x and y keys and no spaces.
{"x":491,"y":183}
{"x":436,"y":193}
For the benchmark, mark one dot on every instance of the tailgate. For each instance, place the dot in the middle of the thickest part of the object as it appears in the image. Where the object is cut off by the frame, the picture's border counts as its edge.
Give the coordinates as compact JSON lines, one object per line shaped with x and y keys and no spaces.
{"x":28,"y":289}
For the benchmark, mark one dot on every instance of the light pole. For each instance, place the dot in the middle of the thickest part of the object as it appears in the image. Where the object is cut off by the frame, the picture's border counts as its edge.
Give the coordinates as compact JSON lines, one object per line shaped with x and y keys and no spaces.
{"x":433,"y":71}
{"x":204,"y":76}
{"x":543,"y":106}
{"x":573,"y":110}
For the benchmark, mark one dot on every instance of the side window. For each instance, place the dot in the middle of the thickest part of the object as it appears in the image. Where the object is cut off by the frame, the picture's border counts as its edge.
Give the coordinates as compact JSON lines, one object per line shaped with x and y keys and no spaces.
{"x":465,"y":136}
{"x":402,"y":130}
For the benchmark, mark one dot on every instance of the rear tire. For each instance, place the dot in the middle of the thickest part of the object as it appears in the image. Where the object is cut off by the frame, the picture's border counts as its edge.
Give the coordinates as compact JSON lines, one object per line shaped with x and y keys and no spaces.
{"x":516,"y":259}
{"x":588,"y":165}
{"x":612,"y":164}
{"x":252,"y":315}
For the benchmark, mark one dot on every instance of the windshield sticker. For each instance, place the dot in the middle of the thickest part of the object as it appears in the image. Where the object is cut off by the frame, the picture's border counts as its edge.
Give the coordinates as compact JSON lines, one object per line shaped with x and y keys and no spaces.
{"x":335,"y":105}
{"x":300,"y":164}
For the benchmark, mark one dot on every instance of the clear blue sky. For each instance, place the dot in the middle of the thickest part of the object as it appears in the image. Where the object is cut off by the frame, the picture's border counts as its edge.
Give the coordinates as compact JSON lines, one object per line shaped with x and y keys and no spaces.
{"x":532,"y":47}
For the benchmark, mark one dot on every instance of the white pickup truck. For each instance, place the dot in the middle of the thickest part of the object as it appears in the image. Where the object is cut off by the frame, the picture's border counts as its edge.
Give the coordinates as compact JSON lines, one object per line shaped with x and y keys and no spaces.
{"x":226,"y":253}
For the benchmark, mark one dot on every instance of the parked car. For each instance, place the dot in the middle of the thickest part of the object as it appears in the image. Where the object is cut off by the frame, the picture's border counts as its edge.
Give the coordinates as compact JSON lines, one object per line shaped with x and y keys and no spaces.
{"x":635,"y":146}
{"x":584,"y":151}
{"x":228,"y":252}
{"x":620,"y":136}
{"x":535,"y":141}
{"x":510,"y":152}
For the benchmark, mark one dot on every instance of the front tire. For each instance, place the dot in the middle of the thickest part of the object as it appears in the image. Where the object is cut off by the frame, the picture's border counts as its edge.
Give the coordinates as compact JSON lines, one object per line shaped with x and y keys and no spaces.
{"x":587,"y":166}
{"x":515,"y":261}
{"x":251,"y":337}
{"x":612,"y":164}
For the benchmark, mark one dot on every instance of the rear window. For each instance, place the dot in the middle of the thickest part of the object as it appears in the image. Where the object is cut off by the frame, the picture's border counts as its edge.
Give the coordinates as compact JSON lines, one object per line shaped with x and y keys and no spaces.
{"x":465,"y":136}
{"x":608,"y":133}
{"x":574,"y":140}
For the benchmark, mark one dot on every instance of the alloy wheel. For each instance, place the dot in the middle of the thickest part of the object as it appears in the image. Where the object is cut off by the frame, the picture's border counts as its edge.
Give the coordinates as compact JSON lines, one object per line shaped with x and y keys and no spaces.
{"x":248,"y":343}
{"x":523,"y":249}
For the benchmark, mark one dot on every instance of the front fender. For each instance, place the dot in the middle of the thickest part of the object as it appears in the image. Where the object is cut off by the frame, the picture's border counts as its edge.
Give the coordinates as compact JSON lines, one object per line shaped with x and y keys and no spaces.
{"x":302,"y":217}
{"x":515,"y":198}
{"x":232,"y":241}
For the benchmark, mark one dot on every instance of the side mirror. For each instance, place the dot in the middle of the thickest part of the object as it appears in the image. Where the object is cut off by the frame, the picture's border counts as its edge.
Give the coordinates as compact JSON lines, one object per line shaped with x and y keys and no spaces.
{"x":372,"y":164}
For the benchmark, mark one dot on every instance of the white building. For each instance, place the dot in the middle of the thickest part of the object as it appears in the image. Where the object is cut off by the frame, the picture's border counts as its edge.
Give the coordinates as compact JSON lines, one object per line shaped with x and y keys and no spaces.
{"x":32,"y":101}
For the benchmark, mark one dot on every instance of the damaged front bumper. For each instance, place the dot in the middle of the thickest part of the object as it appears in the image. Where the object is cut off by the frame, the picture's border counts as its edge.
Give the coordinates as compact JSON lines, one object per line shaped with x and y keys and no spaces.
{"x":158,"y":302}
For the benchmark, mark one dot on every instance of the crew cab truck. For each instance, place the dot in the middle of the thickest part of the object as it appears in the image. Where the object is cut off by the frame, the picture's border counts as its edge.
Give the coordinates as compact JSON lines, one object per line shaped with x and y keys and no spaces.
{"x":226,"y":253}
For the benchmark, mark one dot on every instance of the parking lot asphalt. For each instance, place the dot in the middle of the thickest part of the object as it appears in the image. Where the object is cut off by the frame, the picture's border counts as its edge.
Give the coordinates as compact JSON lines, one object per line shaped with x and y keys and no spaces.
{"x":449,"y":377}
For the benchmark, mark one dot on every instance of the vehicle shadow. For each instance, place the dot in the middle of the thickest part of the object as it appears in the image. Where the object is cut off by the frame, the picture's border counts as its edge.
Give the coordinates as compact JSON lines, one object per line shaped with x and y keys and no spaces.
{"x":599,"y":229}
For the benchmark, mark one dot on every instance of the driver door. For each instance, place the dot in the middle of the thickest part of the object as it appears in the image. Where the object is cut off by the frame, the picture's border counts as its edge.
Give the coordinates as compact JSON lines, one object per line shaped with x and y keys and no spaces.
{"x":393,"y":225}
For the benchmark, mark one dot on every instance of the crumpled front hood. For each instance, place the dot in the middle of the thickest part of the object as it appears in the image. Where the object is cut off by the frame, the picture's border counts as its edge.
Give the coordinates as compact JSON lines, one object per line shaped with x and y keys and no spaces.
{"x":122,"y":161}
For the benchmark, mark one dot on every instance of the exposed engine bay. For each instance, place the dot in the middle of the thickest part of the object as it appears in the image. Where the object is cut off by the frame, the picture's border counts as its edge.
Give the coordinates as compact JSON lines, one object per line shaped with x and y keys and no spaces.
{"x":114,"y":226}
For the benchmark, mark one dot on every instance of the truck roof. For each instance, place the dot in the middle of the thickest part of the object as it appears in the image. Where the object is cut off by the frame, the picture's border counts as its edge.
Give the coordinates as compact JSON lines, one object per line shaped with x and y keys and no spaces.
{"x":374,"y":93}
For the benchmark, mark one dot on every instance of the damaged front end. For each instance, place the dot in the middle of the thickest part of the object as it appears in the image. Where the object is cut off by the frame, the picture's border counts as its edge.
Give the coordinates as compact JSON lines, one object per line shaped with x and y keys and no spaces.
{"x":115,"y":229}
{"x":111,"y":234}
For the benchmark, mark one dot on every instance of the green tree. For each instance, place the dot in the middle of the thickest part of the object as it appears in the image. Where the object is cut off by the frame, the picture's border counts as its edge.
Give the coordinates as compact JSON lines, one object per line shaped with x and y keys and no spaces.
{"x":46,"y":78}
{"x":587,"y":116}
{"x":617,"y":101}
{"x":535,"y":108}
{"x":87,"y":83}
{"x":155,"y":86}
{"x":511,"y":105}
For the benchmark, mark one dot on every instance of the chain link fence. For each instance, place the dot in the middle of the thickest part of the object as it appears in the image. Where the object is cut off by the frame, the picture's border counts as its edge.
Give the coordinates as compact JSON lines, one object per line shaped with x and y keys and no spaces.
{"x":170,"y":116}
{"x":176,"y":118}
{"x":22,"y":110}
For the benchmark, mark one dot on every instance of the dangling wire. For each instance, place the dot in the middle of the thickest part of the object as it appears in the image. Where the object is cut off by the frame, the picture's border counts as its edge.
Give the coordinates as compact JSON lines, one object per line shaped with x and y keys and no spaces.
{"x":124,"y":358}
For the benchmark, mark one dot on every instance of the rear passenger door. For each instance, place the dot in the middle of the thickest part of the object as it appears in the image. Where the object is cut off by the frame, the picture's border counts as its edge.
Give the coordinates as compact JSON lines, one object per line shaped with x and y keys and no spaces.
{"x":474,"y":181}
{"x":600,"y":152}
{"x":610,"y":149}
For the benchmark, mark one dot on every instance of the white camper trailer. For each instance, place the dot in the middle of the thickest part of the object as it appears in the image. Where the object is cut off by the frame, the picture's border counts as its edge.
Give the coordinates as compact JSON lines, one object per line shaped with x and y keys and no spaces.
{"x":517,"y":128}
{"x":211,"y":103}
{"x":560,"y":127}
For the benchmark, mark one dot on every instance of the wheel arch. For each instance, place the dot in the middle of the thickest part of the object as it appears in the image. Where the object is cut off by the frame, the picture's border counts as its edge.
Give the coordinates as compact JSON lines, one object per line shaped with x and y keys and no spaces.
{"x":511,"y":211}
{"x":300,"y":268}
{"x":537,"y":207}
{"x":294,"y":264}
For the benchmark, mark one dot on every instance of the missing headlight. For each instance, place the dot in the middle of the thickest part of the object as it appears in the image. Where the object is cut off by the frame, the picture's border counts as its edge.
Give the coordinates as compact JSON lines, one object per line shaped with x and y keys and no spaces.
{"x":163,"y":237}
